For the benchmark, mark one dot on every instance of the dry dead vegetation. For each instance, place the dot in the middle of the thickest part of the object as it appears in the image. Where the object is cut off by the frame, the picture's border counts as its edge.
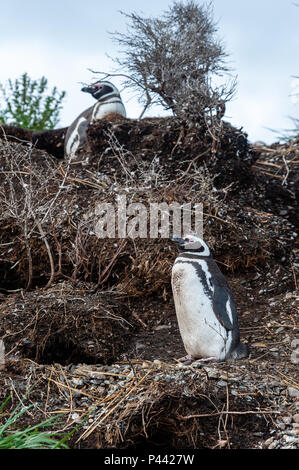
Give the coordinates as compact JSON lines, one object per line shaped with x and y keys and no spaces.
{"x":88,"y":324}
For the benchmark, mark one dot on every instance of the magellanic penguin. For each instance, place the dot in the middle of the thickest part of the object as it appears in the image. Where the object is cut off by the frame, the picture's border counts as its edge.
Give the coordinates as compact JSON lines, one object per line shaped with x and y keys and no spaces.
{"x":204,"y":304}
{"x":108,"y":102}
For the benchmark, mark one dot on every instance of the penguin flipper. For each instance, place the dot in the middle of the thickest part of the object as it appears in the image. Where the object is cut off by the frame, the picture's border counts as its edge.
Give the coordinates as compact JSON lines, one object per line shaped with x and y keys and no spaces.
{"x":222,"y":300}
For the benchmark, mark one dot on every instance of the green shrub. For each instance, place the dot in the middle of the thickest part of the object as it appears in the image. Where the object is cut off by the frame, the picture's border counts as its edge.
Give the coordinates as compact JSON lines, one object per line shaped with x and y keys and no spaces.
{"x":25,"y":103}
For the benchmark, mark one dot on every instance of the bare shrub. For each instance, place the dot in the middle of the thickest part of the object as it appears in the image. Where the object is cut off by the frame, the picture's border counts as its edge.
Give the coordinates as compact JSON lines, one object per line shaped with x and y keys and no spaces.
{"x":172,"y":60}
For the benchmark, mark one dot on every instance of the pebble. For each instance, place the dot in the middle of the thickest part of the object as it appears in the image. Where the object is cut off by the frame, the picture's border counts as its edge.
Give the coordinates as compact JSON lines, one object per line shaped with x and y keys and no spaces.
{"x":293,"y":392}
{"x":296,"y":418}
{"x":212,"y":373}
{"x":290,"y":433}
{"x":273,"y":445}
{"x":77,"y":382}
{"x":281,"y":426}
{"x":286,"y":419}
{"x":288,"y":438}
{"x":181,"y":366}
{"x":221,"y":383}
{"x":269,"y":441}
{"x":197,"y":365}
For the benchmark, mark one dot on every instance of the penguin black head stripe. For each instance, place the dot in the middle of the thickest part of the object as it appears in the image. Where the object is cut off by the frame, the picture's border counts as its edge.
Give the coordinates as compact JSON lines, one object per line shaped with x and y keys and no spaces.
{"x":204,"y":304}
{"x":100,"y":89}
{"x":192,"y":244}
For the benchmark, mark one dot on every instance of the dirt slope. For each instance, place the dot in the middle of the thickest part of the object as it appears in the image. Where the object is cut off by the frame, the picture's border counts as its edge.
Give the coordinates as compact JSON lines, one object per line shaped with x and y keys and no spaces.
{"x":91,"y":322}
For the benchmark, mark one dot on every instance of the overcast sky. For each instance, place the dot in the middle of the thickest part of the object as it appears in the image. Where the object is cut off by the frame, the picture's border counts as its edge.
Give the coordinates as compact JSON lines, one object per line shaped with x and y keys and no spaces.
{"x":62,"y":39}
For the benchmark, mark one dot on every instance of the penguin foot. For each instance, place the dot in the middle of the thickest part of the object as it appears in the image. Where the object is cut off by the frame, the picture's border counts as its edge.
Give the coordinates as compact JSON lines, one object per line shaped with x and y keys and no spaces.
{"x":188,"y":359}
{"x":206,"y":359}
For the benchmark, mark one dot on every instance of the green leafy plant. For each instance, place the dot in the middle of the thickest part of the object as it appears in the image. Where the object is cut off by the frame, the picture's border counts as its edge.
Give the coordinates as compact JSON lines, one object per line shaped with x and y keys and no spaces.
{"x":32,"y":437}
{"x":25,"y":103}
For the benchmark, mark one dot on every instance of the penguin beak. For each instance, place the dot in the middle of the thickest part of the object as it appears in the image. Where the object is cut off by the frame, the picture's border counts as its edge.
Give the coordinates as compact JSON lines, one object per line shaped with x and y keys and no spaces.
{"x":88,"y":89}
{"x":178,"y":240}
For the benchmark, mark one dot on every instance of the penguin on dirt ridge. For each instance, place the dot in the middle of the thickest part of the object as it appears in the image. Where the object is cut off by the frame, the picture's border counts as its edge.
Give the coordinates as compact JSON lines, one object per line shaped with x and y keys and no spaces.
{"x":108,"y":102}
{"x":205,"y":308}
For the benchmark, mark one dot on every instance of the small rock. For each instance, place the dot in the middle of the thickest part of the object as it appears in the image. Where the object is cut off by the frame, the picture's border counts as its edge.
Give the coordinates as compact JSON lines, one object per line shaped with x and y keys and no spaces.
{"x":212,"y":373}
{"x":97,"y":376}
{"x":293,"y":392}
{"x":281,"y":426}
{"x":77,"y":382}
{"x":269,"y":441}
{"x":286,"y":419}
{"x":221,"y":383}
{"x":288,"y":438}
{"x":180,"y":366}
{"x":290,"y":433}
{"x":296,"y":418}
{"x":275,"y":384}
{"x":273,"y":445}
{"x":197,"y":365}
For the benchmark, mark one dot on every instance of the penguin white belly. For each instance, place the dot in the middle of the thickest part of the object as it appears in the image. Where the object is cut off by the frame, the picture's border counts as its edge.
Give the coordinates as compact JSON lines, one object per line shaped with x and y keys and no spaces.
{"x":202,"y":333}
{"x":101,"y":110}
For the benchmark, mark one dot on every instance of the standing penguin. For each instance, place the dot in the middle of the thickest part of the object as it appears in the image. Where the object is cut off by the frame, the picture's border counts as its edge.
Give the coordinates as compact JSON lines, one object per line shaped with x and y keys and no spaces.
{"x":205,"y":308}
{"x":108,"y":102}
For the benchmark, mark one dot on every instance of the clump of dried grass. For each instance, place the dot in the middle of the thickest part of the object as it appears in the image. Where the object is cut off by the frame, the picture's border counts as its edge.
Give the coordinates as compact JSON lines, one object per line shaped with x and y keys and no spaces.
{"x":66,"y":324}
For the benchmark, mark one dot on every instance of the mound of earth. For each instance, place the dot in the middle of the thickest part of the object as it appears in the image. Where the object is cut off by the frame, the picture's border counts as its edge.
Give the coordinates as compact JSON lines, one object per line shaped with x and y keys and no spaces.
{"x":90,"y":321}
